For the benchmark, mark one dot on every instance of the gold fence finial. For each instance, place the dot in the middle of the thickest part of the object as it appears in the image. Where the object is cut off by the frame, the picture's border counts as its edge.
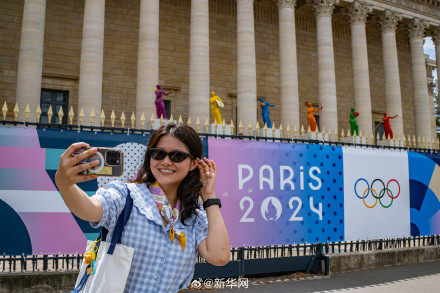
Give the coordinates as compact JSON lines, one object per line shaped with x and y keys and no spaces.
{"x":206,"y":125}
{"x":189,"y":123}
{"x":92,"y":117}
{"x":250,"y":128}
{"x":81,"y":117}
{"x":16,"y":110}
{"x":161,"y":121}
{"x":198,"y":124}
{"x":152,"y":120}
{"x":273,"y":128}
{"x":49,"y":115}
{"x":122,"y":119}
{"x":330,"y":138}
{"x":5,"y":110}
{"x":281,"y":130}
{"x":419,"y":142}
{"x":257,"y":129}
{"x":342,"y":135}
{"x":171,"y":119}
{"x":240,"y":128}
{"x":133,"y":120}
{"x":224,"y":126}
{"x":143,"y":121}
{"x":309,"y":131}
{"x":38,"y":113}
{"x":60,"y":115}
{"x":27,"y":111}
{"x":289,"y":131}
{"x":302,"y":131}
{"x":102,"y":116}
{"x":383,"y":139}
{"x":404,"y":140}
{"x":71,"y":115}
{"x":113,"y":118}
{"x":180,"y":120}
{"x":336,"y":135}
{"x":424,"y":143}
{"x":232,"y":127}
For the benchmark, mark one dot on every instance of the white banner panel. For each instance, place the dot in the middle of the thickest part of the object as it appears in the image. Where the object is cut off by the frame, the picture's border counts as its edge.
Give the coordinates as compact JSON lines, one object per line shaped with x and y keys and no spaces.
{"x":376,"y":194}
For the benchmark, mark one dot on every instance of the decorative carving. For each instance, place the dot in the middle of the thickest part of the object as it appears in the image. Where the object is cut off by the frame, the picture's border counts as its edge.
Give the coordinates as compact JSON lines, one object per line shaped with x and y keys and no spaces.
{"x":435,"y":34}
{"x":286,"y":3}
{"x":416,"y":28}
{"x":322,"y":7}
{"x":389,"y":20}
{"x":358,"y":12}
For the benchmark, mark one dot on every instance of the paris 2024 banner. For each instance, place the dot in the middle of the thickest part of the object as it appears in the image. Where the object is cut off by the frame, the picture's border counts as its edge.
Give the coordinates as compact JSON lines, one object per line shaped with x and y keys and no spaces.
{"x":272,"y":193}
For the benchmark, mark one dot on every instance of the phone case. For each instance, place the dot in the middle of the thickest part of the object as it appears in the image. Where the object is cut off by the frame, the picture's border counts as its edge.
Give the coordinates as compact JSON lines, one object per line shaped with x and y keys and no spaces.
{"x":112,"y":162}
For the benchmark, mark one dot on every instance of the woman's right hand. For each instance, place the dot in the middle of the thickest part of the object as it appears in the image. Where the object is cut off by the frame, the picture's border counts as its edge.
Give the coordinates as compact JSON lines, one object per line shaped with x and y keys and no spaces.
{"x":68,"y":172}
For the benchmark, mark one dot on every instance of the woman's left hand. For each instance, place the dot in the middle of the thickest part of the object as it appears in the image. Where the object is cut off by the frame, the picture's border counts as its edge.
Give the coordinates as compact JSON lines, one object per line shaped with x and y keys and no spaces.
{"x":208,"y":172}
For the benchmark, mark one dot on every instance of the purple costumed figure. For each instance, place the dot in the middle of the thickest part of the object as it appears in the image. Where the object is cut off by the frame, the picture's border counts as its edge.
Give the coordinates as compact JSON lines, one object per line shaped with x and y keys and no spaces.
{"x":160,"y":106}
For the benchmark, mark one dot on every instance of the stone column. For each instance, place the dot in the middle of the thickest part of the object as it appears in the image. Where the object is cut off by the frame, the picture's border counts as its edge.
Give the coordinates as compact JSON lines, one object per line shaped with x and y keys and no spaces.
{"x":289,"y":97}
{"x":361,"y":78}
{"x":148,"y":60}
{"x":30,"y":58}
{"x":389,"y":22}
{"x":416,"y":30}
{"x":246,"y":64}
{"x":436,"y":41}
{"x":92,"y":48}
{"x":199,"y":61}
{"x":326,"y":63}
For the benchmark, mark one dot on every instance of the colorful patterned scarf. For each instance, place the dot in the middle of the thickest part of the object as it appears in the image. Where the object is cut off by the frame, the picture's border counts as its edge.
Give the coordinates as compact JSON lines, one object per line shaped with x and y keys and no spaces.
{"x":170,"y":214}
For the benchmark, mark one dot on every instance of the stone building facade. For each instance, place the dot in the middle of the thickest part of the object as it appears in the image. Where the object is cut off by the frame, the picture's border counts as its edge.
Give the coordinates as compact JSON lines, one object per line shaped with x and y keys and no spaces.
{"x":109,"y":55}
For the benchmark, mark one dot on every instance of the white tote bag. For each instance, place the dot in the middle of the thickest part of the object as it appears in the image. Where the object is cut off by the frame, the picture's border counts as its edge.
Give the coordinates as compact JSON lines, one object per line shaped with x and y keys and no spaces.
{"x":113,"y":261}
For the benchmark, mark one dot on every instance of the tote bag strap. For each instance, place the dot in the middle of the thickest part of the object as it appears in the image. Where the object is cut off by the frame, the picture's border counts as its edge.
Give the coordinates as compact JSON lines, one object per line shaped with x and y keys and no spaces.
{"x":116,"y":237}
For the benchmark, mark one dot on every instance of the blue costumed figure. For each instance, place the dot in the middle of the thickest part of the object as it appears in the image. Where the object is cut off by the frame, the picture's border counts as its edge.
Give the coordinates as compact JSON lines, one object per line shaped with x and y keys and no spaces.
{"x":265,"y":112}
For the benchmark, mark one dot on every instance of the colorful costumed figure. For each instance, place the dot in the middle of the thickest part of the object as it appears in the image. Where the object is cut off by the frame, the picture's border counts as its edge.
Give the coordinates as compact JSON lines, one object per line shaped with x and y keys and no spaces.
{"x":387,"y":125}
{"x":265,"y":112}
{"x":354,"y":127}
{"x":310,"y":117}
{"x":160,"y":105}
{"x":216,"y":104}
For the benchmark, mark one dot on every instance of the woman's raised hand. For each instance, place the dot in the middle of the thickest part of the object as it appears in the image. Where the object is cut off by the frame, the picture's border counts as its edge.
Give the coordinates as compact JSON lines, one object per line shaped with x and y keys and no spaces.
{"x":68,"y":172}
{"x":208,"y":173}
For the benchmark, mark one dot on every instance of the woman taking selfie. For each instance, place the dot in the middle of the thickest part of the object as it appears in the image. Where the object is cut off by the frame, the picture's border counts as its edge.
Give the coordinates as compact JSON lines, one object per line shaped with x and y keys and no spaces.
{"x":167,"y":225}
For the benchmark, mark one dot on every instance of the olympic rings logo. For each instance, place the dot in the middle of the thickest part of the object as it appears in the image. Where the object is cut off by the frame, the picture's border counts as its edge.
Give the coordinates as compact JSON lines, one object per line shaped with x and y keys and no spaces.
{"x":392,"y":184}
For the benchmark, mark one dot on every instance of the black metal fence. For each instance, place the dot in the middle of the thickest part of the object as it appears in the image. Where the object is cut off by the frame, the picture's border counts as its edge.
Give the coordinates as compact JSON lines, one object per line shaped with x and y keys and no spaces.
{"x":244,"y":261}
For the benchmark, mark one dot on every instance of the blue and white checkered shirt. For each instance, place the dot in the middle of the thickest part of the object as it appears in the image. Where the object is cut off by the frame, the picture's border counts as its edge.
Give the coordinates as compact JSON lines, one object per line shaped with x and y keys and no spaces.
{"x":159,"y":265}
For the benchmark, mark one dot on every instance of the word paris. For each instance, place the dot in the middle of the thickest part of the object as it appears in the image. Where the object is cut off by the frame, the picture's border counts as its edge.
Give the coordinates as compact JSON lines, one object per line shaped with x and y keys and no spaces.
{"x":286,"y":177}
{"x":220,"y":283}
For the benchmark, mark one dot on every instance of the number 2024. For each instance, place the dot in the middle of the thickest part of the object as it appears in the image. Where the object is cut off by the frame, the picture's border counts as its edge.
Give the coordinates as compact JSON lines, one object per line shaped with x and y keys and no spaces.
{"x":246,"y":219}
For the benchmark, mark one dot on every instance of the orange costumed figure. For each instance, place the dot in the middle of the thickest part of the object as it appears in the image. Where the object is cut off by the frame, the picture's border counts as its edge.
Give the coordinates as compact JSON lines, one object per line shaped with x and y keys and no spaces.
{"x":387,"y":125}
{"x":310,"y":117}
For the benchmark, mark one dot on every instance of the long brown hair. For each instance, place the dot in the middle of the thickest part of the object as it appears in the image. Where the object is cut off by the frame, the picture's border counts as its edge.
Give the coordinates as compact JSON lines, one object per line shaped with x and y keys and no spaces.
{"x":188,"y":190}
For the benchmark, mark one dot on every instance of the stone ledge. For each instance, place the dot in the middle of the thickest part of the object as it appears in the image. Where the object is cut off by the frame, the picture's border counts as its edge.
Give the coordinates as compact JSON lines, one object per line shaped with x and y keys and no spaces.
{"x":348,"y":262}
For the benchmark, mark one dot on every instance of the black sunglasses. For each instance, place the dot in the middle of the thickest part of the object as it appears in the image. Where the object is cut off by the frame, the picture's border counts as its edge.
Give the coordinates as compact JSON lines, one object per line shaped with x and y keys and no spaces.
{"x":175,"y":156}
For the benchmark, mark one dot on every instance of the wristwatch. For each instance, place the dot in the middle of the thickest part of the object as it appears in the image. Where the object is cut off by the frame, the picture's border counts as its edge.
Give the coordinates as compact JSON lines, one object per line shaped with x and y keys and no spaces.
{"x":212,"y":201}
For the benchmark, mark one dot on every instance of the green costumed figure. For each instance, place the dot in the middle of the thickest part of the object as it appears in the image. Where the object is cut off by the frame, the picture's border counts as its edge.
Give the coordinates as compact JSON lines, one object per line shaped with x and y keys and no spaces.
{"x":353,"y":124}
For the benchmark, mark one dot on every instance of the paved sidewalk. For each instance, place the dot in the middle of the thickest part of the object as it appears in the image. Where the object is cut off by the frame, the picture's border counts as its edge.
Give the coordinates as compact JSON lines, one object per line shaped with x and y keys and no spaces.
{"x":414,"y":278}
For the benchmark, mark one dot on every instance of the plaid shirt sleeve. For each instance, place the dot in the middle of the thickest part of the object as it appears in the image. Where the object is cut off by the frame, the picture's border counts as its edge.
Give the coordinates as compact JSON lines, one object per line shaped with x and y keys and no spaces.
{"x":112,"y":200}
{"x":201,"y":226}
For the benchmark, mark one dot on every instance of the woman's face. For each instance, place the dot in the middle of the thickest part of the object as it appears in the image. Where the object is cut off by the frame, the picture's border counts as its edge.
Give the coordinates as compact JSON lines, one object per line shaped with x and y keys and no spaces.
{"x":168,"y":173}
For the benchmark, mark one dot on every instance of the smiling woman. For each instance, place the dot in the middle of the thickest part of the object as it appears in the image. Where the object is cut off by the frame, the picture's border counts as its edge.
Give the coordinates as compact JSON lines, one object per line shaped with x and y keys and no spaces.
{"x":166,"y":207}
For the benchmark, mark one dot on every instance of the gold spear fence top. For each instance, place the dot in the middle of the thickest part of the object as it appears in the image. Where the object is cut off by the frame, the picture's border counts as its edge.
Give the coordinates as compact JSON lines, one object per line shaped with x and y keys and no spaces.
{"x":13,"y":111}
